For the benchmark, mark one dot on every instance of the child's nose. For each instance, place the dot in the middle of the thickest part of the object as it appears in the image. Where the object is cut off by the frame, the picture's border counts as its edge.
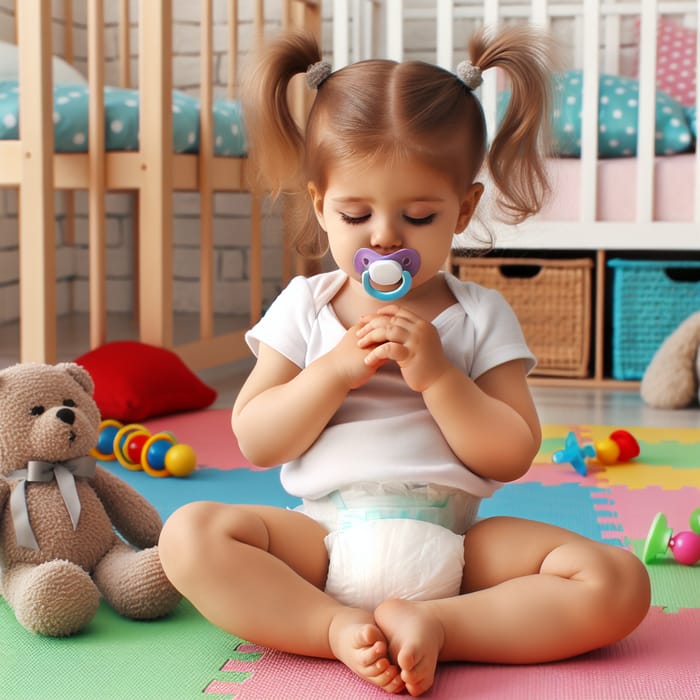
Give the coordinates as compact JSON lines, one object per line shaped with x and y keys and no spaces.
{"x":385,"y":237}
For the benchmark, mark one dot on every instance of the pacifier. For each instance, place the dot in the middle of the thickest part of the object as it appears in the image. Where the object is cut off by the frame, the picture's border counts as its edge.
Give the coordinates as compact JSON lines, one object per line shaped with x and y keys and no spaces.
{"x":397,"y":268}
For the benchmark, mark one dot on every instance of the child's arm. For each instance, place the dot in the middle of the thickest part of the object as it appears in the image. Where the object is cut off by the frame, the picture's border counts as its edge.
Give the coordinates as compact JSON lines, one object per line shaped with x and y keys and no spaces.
{"x":491,"y":424}
{"x":281,"y":409}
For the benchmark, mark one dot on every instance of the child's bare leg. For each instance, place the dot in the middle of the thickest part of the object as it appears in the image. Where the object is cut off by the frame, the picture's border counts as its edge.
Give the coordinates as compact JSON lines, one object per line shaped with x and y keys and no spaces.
{"x":532,"y":593}
{"x":258,"y":572}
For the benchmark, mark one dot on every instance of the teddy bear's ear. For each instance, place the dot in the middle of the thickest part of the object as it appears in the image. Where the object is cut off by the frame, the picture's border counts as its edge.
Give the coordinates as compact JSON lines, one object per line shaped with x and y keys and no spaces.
{"x":80,"y":374}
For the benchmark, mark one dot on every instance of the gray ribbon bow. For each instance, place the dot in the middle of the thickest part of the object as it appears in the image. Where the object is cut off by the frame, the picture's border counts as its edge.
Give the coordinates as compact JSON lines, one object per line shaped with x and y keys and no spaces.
{"x":64,"y":473}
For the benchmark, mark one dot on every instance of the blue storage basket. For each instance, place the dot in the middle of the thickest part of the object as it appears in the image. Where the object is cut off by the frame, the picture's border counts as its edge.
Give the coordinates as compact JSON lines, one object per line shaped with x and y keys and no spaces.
{"x":649,"y":303}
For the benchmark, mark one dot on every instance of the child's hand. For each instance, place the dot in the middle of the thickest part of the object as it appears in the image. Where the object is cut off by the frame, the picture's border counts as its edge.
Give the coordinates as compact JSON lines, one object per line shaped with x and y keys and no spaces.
{"x":394,"y":333}
{"x":349,"y":359}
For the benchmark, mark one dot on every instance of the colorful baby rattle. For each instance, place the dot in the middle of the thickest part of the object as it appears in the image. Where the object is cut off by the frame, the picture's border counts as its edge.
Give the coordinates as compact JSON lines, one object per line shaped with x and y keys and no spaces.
{"x":135,"y":448}
{"x":620,"y":446}
{"x":685,"y":546}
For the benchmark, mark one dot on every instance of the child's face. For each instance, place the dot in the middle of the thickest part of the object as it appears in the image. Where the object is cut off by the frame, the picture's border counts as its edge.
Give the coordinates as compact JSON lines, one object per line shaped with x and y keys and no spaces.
{"x":389,"y":206}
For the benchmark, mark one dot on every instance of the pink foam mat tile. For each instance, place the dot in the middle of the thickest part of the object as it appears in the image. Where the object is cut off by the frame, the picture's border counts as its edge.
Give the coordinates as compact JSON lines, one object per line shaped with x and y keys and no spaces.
{"x":636,"y":508}
{"x":658,"y":661}
{"x":208,"y":432}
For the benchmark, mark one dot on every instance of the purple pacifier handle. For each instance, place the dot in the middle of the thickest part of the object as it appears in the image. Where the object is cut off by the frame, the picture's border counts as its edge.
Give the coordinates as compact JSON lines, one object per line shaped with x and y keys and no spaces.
{"x":408,"y":258}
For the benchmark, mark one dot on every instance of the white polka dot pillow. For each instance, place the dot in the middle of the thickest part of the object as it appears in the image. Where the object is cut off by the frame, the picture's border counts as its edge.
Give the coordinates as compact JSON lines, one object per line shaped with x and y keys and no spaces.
{"x":617,"y":118}
{"x":676,"y":52}
{"x":70,"y":118}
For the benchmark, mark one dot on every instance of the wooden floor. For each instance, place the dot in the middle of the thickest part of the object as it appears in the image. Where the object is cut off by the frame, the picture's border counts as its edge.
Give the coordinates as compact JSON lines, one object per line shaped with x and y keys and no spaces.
{"x":555,"y":404}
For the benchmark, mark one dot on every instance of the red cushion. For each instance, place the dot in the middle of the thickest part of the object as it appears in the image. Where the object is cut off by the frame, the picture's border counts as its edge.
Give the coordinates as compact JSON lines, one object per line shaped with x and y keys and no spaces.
{"x":135,"y":381}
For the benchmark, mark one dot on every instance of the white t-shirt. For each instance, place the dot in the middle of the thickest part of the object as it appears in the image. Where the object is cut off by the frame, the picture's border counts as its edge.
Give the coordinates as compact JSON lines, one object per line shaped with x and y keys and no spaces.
{"x":383,"y":431}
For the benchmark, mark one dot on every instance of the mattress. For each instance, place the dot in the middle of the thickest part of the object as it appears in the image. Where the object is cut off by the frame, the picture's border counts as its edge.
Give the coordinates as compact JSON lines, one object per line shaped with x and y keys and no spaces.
{"x":70,"y":116}
{"x":674,"y":183}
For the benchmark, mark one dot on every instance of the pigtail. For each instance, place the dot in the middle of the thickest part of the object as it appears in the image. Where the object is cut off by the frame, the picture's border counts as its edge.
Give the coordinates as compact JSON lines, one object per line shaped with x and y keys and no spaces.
{"x":516,"y":158}
{"x":276,"y":143}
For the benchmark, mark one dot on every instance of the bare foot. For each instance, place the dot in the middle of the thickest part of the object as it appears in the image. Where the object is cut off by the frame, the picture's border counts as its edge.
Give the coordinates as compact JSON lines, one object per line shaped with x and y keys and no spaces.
{"x":415,"y":640}
{"x":356,"y":640}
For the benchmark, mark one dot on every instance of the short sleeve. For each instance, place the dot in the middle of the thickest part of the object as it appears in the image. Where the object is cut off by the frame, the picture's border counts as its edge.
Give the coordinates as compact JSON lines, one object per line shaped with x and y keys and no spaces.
{"x":286,"y":325}
{"x":498,"y":337}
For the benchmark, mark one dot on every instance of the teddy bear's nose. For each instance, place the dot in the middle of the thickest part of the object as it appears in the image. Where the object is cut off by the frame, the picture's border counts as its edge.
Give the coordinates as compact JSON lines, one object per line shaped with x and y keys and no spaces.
{"x":66,"y":415}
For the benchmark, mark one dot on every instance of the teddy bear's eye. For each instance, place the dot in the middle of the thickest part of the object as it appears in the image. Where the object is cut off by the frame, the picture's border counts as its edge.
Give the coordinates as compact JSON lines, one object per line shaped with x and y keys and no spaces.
{"x":37,"y":410}
{"x":70,"y":403}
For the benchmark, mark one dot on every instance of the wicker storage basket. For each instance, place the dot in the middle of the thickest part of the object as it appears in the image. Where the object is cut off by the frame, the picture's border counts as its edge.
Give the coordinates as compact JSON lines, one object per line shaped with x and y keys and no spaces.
{"x":650,"y":299}
{"x":552,"y":300}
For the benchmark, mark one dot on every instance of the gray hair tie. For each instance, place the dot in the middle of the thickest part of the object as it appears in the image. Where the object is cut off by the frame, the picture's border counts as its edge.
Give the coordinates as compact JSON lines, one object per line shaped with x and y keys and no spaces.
{"x":469,"y":74}
{"x":316,"y":73}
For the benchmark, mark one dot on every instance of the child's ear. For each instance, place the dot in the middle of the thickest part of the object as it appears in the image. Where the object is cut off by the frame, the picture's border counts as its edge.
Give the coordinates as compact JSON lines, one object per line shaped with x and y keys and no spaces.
{"x":468,"y":206}
{"x":317,"y":201}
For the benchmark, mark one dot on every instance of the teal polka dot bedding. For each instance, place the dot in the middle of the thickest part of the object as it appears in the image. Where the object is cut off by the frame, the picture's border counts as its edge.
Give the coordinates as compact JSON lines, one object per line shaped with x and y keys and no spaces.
{"x":70,"y":117}
{"x":692,"y":115}
{"x":618,"y":110}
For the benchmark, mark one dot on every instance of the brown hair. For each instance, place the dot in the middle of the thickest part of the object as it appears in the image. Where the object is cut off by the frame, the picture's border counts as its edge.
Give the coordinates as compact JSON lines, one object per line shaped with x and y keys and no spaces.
{"x":415,"y":109}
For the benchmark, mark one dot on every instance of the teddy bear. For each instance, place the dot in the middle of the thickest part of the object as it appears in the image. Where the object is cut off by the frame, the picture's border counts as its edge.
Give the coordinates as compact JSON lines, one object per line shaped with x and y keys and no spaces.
{"x":673,"y":376}
{"x":60,"y":512}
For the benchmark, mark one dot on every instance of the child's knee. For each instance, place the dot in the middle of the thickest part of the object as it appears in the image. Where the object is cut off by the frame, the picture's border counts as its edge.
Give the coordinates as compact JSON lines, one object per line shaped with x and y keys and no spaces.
{"x":176,"y":538}
{"x":622,"y":591}
{"x":187,"y":536}
{"x":636,"y":597}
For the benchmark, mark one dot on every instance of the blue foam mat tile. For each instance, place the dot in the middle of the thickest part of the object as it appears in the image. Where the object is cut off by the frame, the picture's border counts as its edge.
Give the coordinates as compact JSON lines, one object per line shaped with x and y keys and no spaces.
{"x":259,"y":487}
{"x":571,"y":506}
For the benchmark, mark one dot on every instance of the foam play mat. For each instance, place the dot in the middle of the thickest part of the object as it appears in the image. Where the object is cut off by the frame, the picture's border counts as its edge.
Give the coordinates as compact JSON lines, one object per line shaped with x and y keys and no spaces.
{"x":184,"y":657}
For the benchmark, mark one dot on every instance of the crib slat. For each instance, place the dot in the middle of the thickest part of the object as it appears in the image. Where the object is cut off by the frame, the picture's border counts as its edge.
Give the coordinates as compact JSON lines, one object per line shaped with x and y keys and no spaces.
{"x":611,"y":57}
{"x":341,"y":28}
{"x":37,"y":238}
{"x":68,"y":196}
{"x":444,"y":41}
{"x":97,"y":275}
{"x":67,"y":31}
{"x":394,"y":30}
{"x":232,"y":53}
{"x":647,"y":112}
{"x":206,"y":197}
{"x":589,"y":121}
{"x":156,"y":143}
{"x":124,"y":44}
{"x":539,"y":13}
{"x":370,"y":19}
{"x":255,"y":271}
{"x":259,"y":24}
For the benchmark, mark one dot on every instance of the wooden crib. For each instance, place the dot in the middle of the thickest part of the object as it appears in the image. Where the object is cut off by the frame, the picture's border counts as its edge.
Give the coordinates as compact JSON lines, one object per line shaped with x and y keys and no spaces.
{"x":153,"y":172}
{"x":654,"y":207}
{"x":601,"y":207}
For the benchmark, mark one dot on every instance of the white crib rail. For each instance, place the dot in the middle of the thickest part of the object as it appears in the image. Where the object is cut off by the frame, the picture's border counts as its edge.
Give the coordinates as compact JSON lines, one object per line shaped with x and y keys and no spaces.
{"x":598,"y":30}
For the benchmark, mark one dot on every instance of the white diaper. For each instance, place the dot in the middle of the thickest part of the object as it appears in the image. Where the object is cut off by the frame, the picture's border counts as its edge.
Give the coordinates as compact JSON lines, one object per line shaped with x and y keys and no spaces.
{"x":394,"y":541}
{"x":380,"y":559}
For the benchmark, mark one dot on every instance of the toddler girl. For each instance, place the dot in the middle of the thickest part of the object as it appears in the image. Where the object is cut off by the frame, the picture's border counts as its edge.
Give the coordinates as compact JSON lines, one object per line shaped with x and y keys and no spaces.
{"x":394,"y":395}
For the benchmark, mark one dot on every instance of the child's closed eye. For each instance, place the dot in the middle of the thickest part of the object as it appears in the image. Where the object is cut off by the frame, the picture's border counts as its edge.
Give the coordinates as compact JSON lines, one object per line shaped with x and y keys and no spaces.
{"x":420,"y":221}
{"x":354,"y":219}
